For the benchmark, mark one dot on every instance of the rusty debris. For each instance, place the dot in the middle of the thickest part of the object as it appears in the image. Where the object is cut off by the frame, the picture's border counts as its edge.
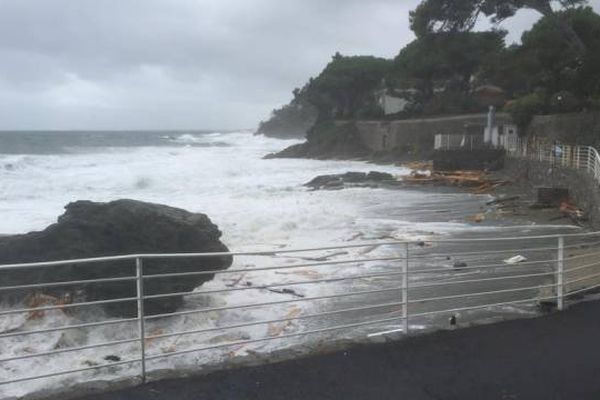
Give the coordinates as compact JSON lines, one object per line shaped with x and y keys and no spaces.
{"x":570,"y":210}
{"x":38,"y":300}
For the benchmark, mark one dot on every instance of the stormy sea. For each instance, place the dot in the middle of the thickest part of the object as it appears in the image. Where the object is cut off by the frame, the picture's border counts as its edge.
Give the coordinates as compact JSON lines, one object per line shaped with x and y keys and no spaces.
{"x":259,"y":205}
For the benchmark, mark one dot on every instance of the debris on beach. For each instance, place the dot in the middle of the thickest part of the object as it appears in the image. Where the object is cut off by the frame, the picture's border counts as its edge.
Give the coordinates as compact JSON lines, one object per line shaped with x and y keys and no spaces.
{"x":460,"y":265}
{"x":276,"y":329}
{"x":478,"y":181}
{"x":38,"y":300}
{"x":419,"y":165}
{"x":478,"y":218}
{"x":569,"y":209}
{"x":286,"y":291}
{"x":515,"y":260}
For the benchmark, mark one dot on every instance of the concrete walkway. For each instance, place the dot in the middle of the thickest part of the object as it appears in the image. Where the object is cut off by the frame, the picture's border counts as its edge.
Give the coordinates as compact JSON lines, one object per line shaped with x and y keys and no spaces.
{"x":552,"y":357}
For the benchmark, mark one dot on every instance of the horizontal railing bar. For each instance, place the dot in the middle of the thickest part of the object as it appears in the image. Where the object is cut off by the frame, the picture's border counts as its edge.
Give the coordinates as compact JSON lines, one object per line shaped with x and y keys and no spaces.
{"x":569,"y":270}
{"x":274,"y":285}
{"x":73,"y":371}
{"x":582,"y":256}
{"x":67,"y":327}
{"x":273,"y":321}
{"x":66,"y":283}
{"x":459,"y":296}
{"x":278,"y":267}
{"x":72,"y":305}
{"x":276,"y":251}
{"x":333,"y":262}
{"x":83,"y":261}
{"x":236,"y":307}
{"x":474,"y":253}
{"x":582,"y":290}
{"x":285,"y":336}
{"x":195,"y":255}
{"x":70,"y":350}
{"x":485,"y":266}
{"x":468,"y":308}
{"x":325,"y":280}
{"x":585,"y":278}
{"x":449,"y":283}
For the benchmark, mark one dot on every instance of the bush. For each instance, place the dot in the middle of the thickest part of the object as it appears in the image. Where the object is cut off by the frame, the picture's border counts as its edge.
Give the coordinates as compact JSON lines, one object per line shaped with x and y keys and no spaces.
{"x":564,"y":102}
{"x":524,"y":108}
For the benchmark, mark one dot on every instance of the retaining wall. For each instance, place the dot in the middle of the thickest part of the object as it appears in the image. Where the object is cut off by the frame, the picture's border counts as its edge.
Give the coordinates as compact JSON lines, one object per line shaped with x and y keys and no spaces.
{"x":418,"y":134}
{"x":575,"y":128}
{"x":583,"y":189}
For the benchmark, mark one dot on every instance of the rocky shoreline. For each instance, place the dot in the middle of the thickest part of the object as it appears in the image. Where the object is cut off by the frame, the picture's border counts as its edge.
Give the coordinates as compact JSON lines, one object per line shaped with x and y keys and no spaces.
{"x":88,"y":229}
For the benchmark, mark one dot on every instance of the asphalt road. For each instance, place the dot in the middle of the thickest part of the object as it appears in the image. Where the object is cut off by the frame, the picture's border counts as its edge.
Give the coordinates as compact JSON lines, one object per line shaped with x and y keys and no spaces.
{"x":552,"y":357}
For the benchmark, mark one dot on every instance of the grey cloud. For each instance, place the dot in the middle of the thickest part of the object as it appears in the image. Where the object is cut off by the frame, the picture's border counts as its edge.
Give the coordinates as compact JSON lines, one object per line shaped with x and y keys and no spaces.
{"x":123,"y":64}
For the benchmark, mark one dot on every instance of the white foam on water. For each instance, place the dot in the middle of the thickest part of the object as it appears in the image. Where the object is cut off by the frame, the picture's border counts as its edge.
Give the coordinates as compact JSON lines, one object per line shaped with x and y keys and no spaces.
{"x":258,"y":204}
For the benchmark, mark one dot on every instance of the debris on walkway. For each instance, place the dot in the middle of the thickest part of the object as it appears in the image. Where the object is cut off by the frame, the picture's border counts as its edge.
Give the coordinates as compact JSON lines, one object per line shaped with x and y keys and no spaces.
{"x":515,"y":260}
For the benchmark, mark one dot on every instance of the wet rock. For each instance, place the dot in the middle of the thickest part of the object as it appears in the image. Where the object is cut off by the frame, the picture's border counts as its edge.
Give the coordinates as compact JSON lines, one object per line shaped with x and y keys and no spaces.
{"x":89,"y":229}
{"x":350,"y":179}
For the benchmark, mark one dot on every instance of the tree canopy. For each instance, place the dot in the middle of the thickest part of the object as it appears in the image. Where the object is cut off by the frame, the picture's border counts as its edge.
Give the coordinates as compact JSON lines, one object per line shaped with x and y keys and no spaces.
{"x":346,"y":85}
{"x":462,"y":15}
{"x":444,"y":69}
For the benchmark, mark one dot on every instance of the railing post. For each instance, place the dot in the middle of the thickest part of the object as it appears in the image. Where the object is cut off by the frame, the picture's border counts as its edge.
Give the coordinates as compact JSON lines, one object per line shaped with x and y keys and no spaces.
{"x":560,"y":274}
{"x":139,"y":269}
{"x":405,"y":291}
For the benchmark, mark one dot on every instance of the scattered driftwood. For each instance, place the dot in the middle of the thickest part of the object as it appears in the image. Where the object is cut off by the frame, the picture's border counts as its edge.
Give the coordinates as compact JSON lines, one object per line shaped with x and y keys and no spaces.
{"x":502,"y":200}
{"x":570,"y":210}
{"x":322,"y":258}
{"x":235,"y":281}
{"x":276,"y":329}
{"x":479,"y":181}
{"x":419,"y":165}
{"x":286,"y":291}
{"x":38,"y":300}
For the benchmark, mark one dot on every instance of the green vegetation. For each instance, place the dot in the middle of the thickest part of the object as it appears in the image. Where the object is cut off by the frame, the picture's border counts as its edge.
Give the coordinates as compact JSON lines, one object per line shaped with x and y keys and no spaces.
{"x":291,"y":120}
{"x":345,"y":88}
{"x":461,"y":15}
{"x":555,"y":69}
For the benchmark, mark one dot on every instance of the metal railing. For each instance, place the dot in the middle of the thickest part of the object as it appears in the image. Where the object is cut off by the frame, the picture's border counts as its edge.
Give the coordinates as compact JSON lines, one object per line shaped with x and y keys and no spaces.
{"x":354,"y":290}
{"x":582,"y":158}
{"x":446,"y":141}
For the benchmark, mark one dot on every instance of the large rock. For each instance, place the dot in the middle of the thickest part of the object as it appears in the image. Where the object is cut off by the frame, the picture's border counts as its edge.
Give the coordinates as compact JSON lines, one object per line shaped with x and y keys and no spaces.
{"x":328,"y":141}
{"x":89,"y":229}
{"x":351,"y":179}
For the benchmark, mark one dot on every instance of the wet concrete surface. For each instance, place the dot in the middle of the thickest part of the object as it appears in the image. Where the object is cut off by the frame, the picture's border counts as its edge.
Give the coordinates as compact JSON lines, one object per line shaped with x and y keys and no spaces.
{"x":555,"y":356}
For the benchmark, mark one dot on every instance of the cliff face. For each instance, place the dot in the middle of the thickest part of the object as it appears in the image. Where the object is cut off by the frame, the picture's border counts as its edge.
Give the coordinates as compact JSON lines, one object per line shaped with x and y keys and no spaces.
{"x":291,"y":121}
{"x":329,"y":141}
{"x":382,"y":140}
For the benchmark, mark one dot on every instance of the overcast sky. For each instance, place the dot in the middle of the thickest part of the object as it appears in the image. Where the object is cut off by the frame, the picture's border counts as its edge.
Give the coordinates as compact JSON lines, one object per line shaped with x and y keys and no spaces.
{"x":166,"y":64}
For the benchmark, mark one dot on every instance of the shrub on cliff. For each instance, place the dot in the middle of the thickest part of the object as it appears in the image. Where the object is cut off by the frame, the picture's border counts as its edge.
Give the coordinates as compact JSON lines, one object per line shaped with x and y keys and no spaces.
{"x":291,"y":120}
{"x":524,"y":108}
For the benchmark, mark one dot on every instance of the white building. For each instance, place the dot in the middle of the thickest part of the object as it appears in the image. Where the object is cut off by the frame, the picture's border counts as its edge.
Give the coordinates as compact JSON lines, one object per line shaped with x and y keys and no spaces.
{"x":392,"y":103}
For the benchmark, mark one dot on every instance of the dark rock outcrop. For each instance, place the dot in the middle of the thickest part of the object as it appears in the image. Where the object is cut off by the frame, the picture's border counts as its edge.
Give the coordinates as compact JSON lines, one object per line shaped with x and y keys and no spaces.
{"x":328,"y":141}
{"x":351,"y":179}
{"x":121,"y":227}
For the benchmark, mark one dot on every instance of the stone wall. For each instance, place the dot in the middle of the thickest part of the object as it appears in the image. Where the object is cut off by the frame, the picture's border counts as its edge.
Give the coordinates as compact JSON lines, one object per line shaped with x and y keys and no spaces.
{"x":460,"y":159}
{"x":583,"y":189}
{"x":418,"y":134}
